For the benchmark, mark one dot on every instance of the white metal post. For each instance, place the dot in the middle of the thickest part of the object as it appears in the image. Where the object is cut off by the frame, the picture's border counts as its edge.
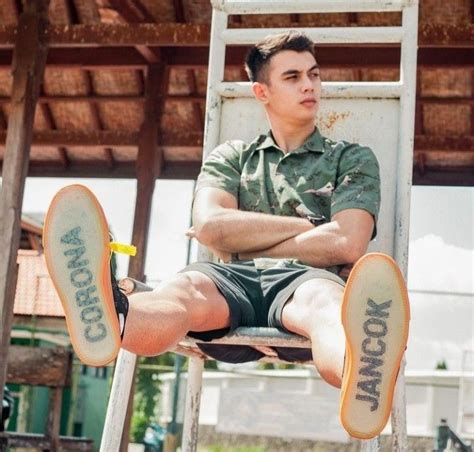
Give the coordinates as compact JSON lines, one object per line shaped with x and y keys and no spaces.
{"x":215,"y":77}
{"x":118,"y":401}
{"x":408,"y":62}
{"x":192,"y":405}
{"x":372,"y":445}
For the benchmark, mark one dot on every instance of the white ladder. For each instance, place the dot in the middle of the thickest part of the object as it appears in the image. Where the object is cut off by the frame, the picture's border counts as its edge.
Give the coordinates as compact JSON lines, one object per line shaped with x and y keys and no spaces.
{"x":465,"y":424}
{"x":232,"y":113}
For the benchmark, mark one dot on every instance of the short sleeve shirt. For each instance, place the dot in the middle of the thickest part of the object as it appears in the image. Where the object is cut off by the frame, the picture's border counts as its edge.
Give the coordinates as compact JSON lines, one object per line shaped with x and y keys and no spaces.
{"x":321,"y":177}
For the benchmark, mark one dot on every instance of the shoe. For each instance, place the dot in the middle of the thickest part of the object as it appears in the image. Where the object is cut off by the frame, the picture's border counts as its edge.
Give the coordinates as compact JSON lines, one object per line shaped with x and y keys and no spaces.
{"x":77,"y":253}
{"x":375,"y":317}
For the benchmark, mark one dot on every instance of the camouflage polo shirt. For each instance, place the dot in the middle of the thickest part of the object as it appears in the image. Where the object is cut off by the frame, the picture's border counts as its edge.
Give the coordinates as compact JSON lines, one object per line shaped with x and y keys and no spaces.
{"x":321,"y":177}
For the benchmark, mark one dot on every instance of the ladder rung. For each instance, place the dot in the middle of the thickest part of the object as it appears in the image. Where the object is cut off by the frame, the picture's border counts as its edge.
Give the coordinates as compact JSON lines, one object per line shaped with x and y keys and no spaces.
{"x":308,"y":6}
{"x":385,"y":90}
{"x":269,"y":337}
{"x":327,"y":35}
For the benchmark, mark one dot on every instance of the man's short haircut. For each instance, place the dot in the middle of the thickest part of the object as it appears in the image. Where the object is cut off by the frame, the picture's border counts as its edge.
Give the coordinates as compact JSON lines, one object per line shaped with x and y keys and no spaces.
{"x":259,"y":56}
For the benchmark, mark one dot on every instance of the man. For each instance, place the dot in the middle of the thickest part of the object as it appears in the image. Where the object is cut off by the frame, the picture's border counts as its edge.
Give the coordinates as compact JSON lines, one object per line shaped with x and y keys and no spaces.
{"x":286,"y":213}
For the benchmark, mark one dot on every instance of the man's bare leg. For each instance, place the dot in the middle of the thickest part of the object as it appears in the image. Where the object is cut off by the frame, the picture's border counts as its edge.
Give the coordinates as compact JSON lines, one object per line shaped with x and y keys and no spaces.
{"x":158,"y":320}
{"x":314,"y":311}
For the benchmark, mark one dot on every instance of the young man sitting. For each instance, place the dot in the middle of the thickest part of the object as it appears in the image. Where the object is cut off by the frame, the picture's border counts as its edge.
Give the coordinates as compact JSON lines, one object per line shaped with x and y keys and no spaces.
{"x":285,"y":214}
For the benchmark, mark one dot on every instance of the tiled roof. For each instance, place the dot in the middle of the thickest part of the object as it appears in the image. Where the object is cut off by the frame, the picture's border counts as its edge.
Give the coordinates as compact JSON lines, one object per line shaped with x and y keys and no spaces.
{"x":35,"y":294}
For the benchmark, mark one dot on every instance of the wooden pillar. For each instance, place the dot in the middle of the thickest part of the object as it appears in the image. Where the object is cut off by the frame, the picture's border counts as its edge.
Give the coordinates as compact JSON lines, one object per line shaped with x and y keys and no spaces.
{"x":148,"y":168}
{"x":149,"y":163}
{"x":29,"y":59}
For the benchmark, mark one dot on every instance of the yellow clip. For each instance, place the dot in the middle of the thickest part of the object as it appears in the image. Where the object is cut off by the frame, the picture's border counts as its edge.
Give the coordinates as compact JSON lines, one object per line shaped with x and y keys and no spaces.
{"x":123,"y":248}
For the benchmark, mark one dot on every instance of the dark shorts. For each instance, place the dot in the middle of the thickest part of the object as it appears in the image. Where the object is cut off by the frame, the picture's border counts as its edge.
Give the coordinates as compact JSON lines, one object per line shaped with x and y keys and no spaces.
{"x":256,"y":297}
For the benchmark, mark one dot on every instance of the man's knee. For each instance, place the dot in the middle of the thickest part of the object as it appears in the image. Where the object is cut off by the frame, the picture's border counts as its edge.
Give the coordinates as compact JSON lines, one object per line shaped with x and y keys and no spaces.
{"x":313,"y":300}
{"x":184,"y":287}
{"x":199,"y":297}
{"x":318,"y":293}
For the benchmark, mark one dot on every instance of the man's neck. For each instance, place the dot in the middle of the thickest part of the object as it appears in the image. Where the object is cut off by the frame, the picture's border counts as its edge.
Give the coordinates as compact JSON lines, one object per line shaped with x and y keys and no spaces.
{"x":288,"y":137}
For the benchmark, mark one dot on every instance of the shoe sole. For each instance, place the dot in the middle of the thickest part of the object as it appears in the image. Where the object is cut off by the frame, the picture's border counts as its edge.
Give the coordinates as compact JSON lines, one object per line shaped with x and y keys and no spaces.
{"x":375,"y":318}
{"x":76,"y":247}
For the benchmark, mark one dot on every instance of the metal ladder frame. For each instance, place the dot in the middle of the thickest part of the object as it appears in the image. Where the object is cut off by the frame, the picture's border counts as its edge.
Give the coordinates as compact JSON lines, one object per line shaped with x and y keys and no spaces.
{"x":404,"y":90}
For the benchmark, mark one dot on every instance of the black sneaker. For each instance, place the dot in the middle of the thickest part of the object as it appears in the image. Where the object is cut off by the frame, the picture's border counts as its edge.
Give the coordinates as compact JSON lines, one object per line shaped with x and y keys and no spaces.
{"x":121,"y":304}
{"x":77,"y":252}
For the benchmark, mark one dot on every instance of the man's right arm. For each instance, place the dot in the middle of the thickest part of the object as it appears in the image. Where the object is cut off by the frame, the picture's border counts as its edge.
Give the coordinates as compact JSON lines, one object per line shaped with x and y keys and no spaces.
{"x":219,"y":224}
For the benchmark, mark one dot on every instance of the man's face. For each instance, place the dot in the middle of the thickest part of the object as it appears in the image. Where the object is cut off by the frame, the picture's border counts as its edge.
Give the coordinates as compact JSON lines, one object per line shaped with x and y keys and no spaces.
{"x":292,"y":89}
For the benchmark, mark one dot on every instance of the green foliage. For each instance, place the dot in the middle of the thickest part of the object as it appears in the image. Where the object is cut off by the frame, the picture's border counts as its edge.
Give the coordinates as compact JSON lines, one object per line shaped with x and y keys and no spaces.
{"x":276,"y":366}
{"x":217,"y":448}
{"x":147,"y":390}
{"x":210,"y":364}
{"x":441,"y":365}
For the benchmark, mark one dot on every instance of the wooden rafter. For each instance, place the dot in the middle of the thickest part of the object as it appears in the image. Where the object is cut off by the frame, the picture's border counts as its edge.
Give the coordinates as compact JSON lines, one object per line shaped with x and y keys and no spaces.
{"x":179,"y":11}
{"x":198,"y":116}
{"x":51,"y":123}
{"x":109,"y":98}
{"x":3,"y":120}
{"x":130,"y":15}
{"x":339,"y":57}
{"x":183,"y":139}
{"x":97,"y":120}
{"x":441,"y":175}
{"x":196,"y":98}
{"x":192,"y":35}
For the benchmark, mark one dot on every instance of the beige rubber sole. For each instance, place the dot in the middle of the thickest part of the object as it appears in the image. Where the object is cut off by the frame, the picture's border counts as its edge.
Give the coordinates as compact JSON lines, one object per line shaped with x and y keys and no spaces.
{"x":77,"y":253}
{"x":375,"y":317}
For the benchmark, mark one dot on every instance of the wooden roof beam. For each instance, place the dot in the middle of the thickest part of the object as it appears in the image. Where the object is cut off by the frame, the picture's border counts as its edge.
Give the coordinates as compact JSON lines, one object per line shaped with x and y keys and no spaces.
{"x":51,"y":123}
{"x":195,"y":99}
{"x":108,"y":138}
{"x":450,"y":176}
{"x":197,"y":35}
{"x":129,"y":14}
{"x":110,"y":98}
{"x":98,"y":123}
{"x":197,"y":112}
{"x":119,"y":35}
{"x":119,"y":58}
{"x":179,"y":11}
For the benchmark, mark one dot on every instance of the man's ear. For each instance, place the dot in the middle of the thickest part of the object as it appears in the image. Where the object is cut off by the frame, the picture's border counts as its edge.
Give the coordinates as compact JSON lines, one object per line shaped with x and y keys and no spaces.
{"x":260,"y":91}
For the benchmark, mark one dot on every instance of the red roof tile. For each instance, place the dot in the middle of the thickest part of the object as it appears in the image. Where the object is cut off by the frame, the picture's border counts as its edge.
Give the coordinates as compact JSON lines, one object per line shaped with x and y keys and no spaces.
{"x":35,"y":293}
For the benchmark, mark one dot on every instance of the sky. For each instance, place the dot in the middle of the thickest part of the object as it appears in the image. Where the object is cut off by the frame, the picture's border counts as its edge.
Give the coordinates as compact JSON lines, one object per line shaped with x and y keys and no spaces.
{"x":441,"y":253}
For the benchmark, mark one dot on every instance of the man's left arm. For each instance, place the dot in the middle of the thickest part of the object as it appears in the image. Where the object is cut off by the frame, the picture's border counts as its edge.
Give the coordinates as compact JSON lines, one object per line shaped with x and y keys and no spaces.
{"x":341,"y":241}
{"x":355,"y":205}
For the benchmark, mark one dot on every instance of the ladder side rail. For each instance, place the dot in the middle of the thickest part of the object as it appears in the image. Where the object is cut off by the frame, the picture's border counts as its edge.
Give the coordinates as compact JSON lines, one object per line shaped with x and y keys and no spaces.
{"x":371,"y":445}
{"x":408,"y":61}
{"x":320,"y":35}
{"x":307,"y":6}
{"x":466,"y":380}
{"x":211,"y":140}
{"x":118,"y":401}
{"x":257,"y":336}
{"x":406,"y":135}
{"x":192,"y":405}
{"x":215,"y":76}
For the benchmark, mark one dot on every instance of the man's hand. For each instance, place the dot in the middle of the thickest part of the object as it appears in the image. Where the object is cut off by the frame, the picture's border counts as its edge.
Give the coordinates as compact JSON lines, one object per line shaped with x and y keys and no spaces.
{"x":220,"y":224}
{"x":191,"y":233}
{"x":342,"y":241}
